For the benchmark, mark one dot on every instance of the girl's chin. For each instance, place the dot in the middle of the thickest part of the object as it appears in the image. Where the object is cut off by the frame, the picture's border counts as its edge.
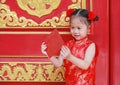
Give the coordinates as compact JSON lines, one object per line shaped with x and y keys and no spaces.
{"x":77,"y":38}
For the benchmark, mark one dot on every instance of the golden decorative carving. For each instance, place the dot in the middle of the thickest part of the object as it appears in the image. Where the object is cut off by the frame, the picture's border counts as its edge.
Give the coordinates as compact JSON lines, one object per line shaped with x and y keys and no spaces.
{"x":3,"y":1}
{"x":76,"y":4}
{"x":38,"y":8}
{"x":56,"y":22}
{"x":91,"y":5}
{"x":10,"y":19}
{"x":34,"y":71}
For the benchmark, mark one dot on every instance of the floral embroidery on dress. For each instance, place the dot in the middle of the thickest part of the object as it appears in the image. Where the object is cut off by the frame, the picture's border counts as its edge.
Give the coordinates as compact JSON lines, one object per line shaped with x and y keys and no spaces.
{"x":74,"y":75}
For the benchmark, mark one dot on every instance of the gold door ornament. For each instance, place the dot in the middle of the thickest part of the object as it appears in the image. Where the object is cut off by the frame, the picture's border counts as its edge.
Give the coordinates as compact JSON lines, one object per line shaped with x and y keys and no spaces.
{"x":37,"y":8}
{"x":30,"y":72}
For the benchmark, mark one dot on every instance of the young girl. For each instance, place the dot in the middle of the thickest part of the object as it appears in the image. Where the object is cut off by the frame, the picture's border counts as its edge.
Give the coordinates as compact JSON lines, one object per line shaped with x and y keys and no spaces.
{"x":78,"y":55}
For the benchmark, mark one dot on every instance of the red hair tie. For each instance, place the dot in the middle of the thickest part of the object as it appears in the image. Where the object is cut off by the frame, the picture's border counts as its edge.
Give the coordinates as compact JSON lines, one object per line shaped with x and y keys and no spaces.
{"x":69,"y":12}
{"x":91,"y":16}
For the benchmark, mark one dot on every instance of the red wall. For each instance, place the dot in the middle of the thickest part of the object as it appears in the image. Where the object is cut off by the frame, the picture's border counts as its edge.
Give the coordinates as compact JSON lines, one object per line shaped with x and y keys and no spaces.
{"x":114,"y":42}
{"x":101,"y":37}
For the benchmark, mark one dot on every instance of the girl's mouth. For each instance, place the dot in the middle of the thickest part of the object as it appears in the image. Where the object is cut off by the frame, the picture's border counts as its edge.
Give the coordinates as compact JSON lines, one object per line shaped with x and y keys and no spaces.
{"x":76,"y":36}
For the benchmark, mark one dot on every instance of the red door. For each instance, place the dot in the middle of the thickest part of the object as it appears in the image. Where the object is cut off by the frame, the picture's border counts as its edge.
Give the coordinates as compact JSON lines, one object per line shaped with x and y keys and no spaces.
{"x":114,"y":43}
{"x":23,"y":52}
{"x":101,"y":36}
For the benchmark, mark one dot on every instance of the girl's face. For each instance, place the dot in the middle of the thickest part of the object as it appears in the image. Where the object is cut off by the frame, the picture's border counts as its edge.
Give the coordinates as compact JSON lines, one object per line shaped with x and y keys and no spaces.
{"x":78,"y":29}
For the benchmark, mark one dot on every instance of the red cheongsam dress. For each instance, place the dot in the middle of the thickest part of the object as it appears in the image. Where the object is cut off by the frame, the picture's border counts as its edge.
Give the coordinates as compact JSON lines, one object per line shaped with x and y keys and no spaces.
{"x":75,"y":75}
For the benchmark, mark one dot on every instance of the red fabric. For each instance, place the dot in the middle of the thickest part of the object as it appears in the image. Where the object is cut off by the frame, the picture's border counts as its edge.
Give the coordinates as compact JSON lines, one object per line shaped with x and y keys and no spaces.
{"x":74,"y":75}
{"x":54,"y":42}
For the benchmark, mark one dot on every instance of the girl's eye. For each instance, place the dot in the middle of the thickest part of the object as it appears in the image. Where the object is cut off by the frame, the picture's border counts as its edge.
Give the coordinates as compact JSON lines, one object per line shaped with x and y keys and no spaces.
{"x":72,"y":27}
{"x":79,"y":28}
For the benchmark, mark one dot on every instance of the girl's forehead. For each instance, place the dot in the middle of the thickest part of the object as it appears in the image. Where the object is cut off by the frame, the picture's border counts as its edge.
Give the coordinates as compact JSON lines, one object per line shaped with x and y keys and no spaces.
{"x":78,"y":19}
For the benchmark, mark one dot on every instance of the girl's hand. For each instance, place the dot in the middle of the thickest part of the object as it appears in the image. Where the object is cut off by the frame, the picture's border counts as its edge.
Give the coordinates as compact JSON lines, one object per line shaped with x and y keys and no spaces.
{"x":43,"y":48}
{"x":65,"y":52}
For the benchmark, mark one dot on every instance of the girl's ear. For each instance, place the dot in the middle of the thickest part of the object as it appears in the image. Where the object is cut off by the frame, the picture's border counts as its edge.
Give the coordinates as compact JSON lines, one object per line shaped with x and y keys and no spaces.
{"x":90,"y":29}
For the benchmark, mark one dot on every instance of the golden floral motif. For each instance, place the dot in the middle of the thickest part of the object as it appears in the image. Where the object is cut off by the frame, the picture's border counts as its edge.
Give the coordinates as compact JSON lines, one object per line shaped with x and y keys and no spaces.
{"x":76,"y":4}
{"x":3,"y":1}
{"x":56,"y":22}
{"x":10,"y":19}
{"x":38,"y":8}
{"x":31,"y":72}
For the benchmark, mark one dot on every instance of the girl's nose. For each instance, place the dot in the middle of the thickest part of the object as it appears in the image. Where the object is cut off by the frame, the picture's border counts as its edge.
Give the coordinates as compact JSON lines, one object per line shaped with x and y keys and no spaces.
{"x":75,"y":30}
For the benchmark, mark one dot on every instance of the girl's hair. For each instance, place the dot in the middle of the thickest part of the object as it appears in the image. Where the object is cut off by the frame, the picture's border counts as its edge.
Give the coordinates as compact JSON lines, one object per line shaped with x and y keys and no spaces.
{"x":84,"y":13}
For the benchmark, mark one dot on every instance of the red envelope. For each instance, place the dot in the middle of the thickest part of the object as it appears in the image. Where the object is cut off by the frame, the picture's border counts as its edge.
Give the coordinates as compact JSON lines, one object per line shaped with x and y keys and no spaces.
{"x":54,"y":42}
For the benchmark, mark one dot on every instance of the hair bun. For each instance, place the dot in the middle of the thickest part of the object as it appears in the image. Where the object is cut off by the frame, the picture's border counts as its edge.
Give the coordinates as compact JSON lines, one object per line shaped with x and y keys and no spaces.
{"x":96,"y":18}
{"x":69,"y":12}
{"x":92,"y":16}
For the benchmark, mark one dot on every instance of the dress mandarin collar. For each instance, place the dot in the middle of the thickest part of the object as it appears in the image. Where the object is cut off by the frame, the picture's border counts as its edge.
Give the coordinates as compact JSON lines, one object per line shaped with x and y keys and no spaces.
{"x":81,"y":41}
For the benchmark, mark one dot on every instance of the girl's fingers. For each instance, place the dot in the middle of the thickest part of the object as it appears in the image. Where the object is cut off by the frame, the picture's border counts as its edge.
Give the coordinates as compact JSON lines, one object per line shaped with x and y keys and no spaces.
{"x":65,"y":49}
{"x":62,"y":53}
{"x":43,"y":45}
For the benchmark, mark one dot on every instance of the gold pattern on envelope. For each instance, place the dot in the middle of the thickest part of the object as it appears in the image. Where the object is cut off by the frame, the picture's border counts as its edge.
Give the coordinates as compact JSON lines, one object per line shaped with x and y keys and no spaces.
{"x":35,"y":72}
